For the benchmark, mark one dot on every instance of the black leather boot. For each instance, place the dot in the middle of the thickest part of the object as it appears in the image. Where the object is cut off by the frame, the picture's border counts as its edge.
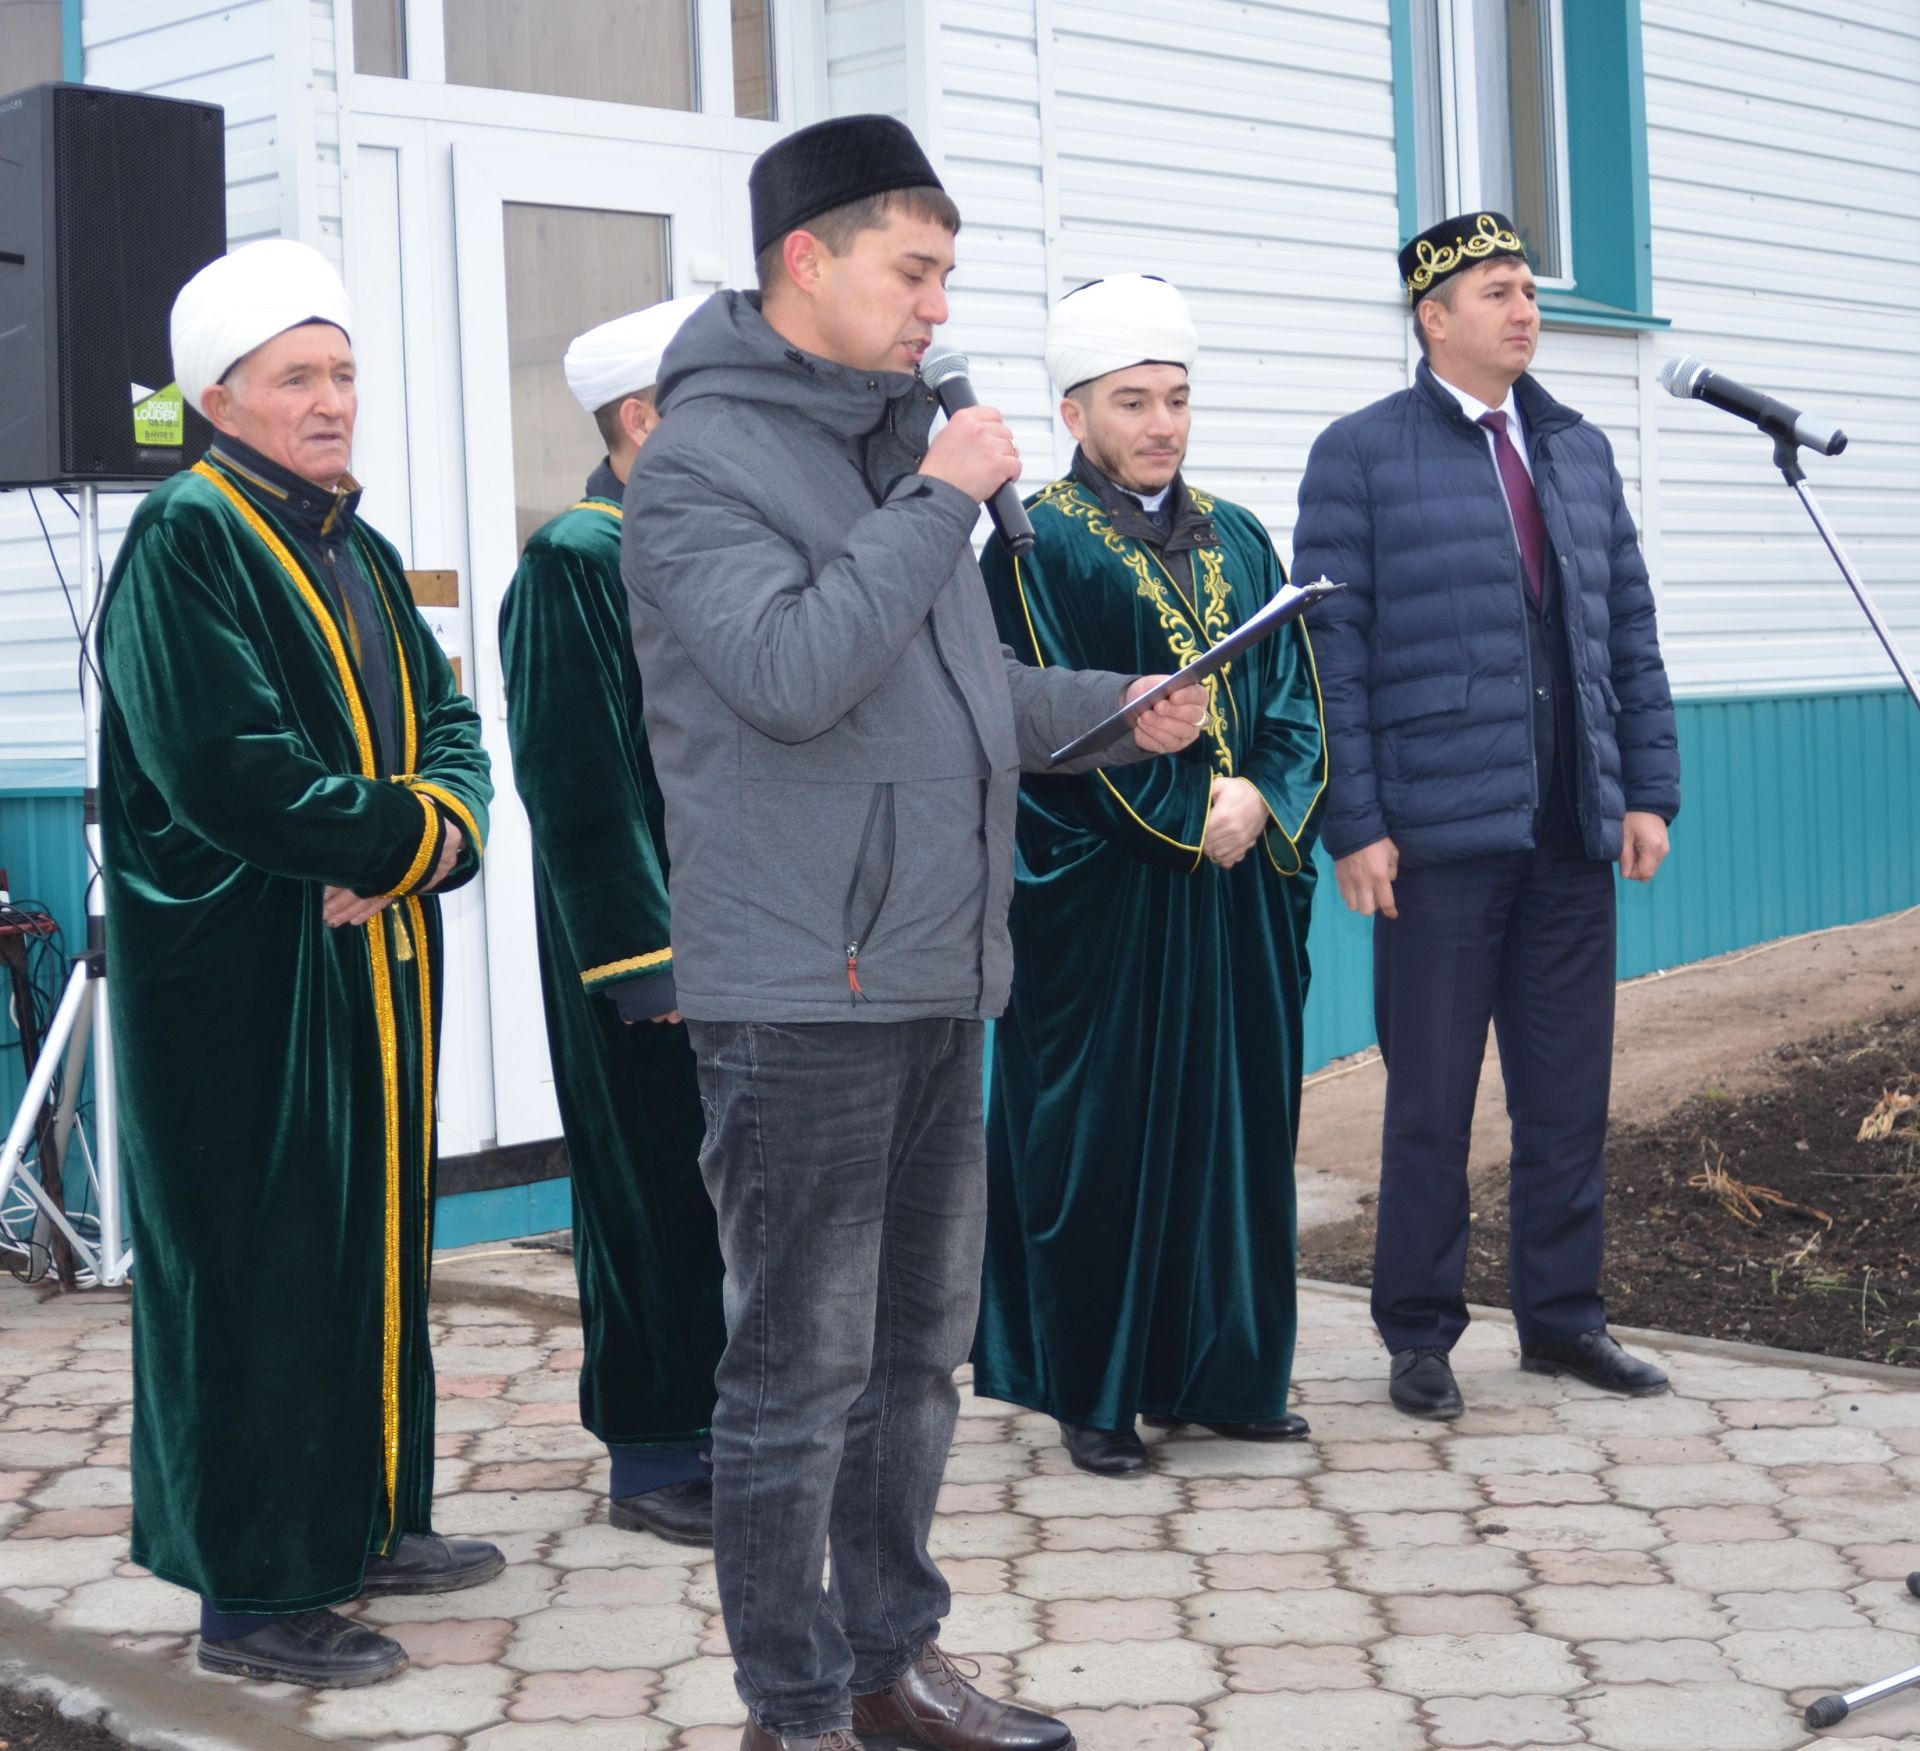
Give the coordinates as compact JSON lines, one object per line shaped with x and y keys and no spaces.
{"x":1105,"y":1452}
{"x":681,"y":1513}
{"x":1597,"y":1358}
{"x":1422,"y":1385}
{"x":1284,"y":1428}
{"x":317,"y":1648}
{"x":424,"y":1562}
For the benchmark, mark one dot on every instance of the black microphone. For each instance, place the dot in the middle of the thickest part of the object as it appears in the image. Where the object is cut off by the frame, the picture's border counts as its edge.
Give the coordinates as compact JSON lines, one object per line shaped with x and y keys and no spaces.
{"x":1686,"y":376}
{"x":944,"y":371}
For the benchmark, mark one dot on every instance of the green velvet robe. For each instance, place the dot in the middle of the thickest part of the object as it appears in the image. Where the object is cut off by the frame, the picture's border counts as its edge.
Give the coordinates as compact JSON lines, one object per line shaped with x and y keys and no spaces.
{"x":645,"y":1246}
{"x":276,"y":1076}
{"x":1144,"y":1110}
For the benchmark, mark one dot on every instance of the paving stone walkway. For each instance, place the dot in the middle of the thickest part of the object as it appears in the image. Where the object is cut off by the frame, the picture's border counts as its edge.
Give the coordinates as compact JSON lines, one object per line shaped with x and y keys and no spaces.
{"x":1556,"y":1568}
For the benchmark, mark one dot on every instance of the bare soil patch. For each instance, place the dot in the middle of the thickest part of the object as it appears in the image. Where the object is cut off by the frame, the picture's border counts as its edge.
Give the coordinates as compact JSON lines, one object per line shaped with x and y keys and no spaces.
{"x":1785,"y":1214}
{"x":30,"y":1723}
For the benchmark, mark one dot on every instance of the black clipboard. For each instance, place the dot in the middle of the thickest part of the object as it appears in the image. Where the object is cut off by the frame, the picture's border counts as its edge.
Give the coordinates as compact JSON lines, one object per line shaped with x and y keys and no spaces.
{"x":1289,"y":602}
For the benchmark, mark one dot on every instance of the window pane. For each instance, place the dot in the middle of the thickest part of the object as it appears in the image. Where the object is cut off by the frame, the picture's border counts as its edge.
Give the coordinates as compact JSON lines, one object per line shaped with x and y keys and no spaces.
{"x":31,"y":47}
{"x":1533,"y":163}
{"x":1493,"y":104}
{"x":753,"y":60}
{"x":619,"y":51}
{"x":1430,"y":147}
{"x":568,"y":269}
{"x":380,"y":37}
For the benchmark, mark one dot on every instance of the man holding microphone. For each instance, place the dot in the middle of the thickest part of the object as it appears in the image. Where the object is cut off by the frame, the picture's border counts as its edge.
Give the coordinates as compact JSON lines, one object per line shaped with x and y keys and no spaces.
{"x":839,"y":735}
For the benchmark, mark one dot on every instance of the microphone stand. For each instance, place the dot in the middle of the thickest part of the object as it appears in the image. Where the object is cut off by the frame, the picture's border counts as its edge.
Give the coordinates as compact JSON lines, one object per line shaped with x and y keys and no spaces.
{"x":1786,"y":458}
{"x":1829,"y":1711}
{"x":80,"y":1023}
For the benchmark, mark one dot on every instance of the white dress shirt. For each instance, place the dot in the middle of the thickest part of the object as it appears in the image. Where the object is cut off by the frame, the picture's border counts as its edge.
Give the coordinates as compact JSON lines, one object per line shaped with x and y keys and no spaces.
{"x":1516,"y":428}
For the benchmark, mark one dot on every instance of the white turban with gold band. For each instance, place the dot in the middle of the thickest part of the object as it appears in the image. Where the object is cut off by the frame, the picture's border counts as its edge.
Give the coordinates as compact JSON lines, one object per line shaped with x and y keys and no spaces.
{"x":243,"y":300}
{"x":1125,"y":319}
{"x":622,"y":357}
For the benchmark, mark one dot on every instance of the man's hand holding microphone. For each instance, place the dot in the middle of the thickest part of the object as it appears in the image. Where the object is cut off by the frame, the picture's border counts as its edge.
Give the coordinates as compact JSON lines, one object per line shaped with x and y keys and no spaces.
{"x":975,"y":453}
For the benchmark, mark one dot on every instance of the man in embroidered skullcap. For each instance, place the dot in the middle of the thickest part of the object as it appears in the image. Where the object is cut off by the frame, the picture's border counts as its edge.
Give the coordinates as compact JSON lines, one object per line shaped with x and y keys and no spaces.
{"x":289,"y":781}
{"x":1140,"y":1239}
{"x":644,"y":1247}
{"x":838,"y":734}
{"x":1502,"y":734}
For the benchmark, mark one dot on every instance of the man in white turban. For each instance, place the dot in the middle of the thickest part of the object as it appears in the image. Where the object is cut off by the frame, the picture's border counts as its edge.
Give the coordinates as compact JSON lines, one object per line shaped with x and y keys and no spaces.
{"x":644,"y":1244}
{"x":1146,"y":1077}
{"x":289,"y":780}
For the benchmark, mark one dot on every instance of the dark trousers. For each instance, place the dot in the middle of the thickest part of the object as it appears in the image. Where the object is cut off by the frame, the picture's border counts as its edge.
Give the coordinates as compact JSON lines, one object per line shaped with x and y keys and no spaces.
{"x":1526,"y":939}
{"x":847,"y":1163}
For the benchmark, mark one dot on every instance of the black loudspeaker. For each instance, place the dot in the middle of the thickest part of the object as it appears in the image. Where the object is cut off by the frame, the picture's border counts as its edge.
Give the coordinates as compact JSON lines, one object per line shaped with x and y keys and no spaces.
{"x":109,"y":203}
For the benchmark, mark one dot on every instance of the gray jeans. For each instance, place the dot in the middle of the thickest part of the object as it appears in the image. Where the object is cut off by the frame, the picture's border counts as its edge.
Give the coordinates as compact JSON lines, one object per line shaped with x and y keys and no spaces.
{"x":847,"y":1164}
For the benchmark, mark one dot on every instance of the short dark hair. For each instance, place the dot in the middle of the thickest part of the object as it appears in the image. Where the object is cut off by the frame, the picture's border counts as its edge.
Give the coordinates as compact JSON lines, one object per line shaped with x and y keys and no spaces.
{"x":839,"y":226}
{"x":608,"y":418}
{"x":1445,"y":292}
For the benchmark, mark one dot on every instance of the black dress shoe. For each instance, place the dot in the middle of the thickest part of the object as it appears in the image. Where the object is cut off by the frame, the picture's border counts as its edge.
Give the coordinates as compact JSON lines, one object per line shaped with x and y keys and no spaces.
{"x":424,"y":1562}
{"x":1422,"y":1384}
{"x":1105,"y":1452}
{"x":319,"y":1648}
{"x":757,"y":1738}
{"x":1286,"y":1428}
{"x":933,"y":1706}
{"x":681,"y":1513}
{"x":1595,"y":1357}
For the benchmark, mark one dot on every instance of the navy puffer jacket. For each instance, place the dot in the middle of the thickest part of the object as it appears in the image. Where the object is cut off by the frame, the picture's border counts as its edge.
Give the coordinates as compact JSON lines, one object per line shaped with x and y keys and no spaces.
{"x":1424,"y":658}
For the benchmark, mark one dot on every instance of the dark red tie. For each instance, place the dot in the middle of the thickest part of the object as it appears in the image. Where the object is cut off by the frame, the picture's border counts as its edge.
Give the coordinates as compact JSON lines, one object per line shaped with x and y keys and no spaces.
{"x":1522,"y":501}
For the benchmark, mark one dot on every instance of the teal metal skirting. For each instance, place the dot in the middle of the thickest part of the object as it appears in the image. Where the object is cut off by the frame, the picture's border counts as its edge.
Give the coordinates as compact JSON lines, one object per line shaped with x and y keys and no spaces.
{"x":468,"y":1218}
{"x":45,"y":857}
{"x":1798,"y":811}
{"x":1801,"y":811}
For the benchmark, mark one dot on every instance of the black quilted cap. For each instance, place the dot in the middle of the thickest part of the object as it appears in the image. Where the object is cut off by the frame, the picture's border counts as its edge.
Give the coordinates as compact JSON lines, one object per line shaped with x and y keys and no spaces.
{"x":832,"y":164}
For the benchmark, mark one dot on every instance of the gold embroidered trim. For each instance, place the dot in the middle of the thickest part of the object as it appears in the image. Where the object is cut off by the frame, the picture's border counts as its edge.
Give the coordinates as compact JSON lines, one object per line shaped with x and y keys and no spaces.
{"x":600,"y":505}
{"x":409,"y":726}
{"x":632,"y":964}
{"x":1184,"y":626}
{"x":329,"y":630}
{"x":1040,"y":661}
{"x":418,"y":913}
{"x":424,"y":856}
{"x":390,"y":1324}
{"x":1431,"y":264}
{"x":383,"y":1016}
{"x":440,"y":793}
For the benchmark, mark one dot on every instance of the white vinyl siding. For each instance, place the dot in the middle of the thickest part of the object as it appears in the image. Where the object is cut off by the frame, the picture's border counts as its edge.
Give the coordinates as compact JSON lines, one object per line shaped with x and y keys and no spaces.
{"x":1784,"y":144}
{"x":271,"y":69}
{"x":1245,"y":152}
{"x":224,"y":54}
{"x":866,"y":57}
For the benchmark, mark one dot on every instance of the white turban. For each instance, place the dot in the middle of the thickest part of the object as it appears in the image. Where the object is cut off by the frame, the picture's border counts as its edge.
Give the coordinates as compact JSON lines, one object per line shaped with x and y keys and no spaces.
{"x":1125,"y":319}
{"x":243,"y":300}
{"x":622,"y":357}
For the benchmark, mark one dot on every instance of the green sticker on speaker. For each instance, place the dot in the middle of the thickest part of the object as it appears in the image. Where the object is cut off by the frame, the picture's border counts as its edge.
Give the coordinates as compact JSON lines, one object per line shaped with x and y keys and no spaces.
{"x":161,"y":419}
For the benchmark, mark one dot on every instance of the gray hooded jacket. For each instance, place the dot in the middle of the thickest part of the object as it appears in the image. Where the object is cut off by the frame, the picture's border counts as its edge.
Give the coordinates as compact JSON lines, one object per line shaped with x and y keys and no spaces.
{"x":837,"y":730}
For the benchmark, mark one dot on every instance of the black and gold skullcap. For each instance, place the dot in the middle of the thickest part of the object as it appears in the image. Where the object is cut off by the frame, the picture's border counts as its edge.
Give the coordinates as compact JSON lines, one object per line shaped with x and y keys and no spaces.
{"x":1453,"y":246}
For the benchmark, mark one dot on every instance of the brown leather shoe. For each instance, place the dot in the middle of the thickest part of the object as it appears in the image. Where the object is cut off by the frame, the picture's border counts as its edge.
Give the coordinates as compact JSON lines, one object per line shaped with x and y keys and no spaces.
{"x":757,"y":1738}
{"x":932,"y":1707}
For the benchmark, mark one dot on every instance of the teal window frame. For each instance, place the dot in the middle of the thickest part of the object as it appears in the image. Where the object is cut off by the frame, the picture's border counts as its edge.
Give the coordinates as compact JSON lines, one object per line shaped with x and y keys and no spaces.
{"x":1612,"y":218}
{"x":72,"y":56}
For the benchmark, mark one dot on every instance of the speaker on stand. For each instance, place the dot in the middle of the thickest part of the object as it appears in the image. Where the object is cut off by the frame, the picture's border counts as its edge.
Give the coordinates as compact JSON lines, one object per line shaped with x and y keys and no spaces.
{"x":110,"y":201}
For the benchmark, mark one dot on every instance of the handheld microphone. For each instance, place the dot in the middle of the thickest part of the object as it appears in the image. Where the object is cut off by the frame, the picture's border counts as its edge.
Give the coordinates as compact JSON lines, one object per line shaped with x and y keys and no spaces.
{"x":944,"y":371}
{"x":1687,"y":377}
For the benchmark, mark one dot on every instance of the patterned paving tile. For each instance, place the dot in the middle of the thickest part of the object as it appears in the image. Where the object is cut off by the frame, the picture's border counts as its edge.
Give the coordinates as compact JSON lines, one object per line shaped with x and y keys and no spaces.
{"x":1556,"y":1568}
